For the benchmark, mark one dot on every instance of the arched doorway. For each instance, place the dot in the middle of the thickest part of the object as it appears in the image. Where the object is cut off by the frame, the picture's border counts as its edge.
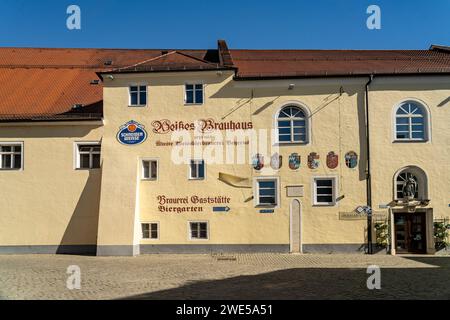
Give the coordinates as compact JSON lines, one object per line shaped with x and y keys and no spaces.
{"x":295,"y":227}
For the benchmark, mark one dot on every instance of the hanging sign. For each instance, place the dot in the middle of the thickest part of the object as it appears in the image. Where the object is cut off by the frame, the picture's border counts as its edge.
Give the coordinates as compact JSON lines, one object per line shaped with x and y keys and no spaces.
{"x":131,"y":133}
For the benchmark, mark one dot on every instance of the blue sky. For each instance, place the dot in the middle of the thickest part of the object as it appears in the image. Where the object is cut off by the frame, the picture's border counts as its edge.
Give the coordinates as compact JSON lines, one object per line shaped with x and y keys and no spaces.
{"x":339,"y":24}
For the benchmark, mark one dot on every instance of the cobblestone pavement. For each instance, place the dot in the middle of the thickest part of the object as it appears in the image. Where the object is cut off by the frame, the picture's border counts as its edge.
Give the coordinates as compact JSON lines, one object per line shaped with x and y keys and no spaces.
{"x":241,"y":276}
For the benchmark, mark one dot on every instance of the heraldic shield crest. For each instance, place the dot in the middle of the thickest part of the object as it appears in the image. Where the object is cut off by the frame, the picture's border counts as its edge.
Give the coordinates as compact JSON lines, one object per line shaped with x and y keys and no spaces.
{"x":313,"y":160}
{"x":276,"y":161}
{"x":332,"y":160}
{"x":351,"y":159}
{"x":258,"y":161}
{"x":294,"y":161}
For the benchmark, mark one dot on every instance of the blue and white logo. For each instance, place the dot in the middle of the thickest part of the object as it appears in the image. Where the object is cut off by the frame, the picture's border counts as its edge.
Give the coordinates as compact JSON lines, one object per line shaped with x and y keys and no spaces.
{"x":131,"y":133}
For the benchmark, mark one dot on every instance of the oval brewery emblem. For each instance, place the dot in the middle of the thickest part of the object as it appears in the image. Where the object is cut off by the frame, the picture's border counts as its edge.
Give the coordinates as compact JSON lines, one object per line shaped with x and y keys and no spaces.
{"x":131,"y":133}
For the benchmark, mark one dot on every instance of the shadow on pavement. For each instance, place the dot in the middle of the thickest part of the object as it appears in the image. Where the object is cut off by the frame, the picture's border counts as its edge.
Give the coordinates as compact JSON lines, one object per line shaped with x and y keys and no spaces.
{"x":320,"y":283}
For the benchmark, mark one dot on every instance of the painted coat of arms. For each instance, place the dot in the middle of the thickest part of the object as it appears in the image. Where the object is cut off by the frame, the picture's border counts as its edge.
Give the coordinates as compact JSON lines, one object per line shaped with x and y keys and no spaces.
{"x":313,"y":160}
{"x":332,"y":160}
{"x":258,"y":161}
{"x":351,"y":159}
{"x":276,"y":161}
{"x":294,"y":161}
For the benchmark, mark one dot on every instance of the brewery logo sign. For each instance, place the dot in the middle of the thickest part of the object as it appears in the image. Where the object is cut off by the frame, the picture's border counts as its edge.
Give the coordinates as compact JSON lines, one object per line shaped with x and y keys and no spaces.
{"x":294,"y":161}
{"x":131,"y":133}
{"x":332,"y":160}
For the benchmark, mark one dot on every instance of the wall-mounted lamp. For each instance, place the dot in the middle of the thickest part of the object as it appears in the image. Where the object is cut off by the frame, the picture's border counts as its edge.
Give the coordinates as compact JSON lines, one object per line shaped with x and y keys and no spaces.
{"x":291,"y":86}
{"x":110,"y":77}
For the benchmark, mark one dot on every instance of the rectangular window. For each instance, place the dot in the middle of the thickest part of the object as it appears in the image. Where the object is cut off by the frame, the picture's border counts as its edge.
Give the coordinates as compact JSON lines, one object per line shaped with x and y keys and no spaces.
{"x":198,"y":230}
{"x":197,"y":170}
{"x":11,"y":156}
{"x":88,"y":155}
{"x":150,"y":230}
{"x":267,"y":192}
{"x":194,"y":93}
{"x":324,"y":191}
{"x":149,"y":169}
{"x":138,"y":95}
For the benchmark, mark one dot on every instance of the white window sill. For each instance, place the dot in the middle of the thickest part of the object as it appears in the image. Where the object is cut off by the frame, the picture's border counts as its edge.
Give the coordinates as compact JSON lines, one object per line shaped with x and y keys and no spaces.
{"x":193,"y":104}
{"x":137,"y":106}
{"x":324,"y":204}
{"x":291,"y":143}
{"x":409,"y":140}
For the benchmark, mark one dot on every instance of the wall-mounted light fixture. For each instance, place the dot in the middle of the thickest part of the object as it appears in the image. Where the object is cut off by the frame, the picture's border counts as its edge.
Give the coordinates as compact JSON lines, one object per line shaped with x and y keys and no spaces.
{"x":291,"y":86}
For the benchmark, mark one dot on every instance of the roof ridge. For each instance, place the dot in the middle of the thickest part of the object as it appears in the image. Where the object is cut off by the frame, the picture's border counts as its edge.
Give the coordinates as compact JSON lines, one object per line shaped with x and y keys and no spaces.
{"x":160,"y":57}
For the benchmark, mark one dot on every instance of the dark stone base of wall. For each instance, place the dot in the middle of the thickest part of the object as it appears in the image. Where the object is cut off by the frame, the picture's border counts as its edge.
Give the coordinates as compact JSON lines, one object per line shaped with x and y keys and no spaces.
{"x":213,"y":248}
{"x":118,"y":250}
{"x":129,"y":250}
{"x":61,"y":249}
{"x":334,"y":248}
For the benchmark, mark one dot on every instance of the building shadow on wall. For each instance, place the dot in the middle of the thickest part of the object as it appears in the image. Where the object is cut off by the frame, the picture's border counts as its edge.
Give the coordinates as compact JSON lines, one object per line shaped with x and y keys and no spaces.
{"x":432,"y":281}
{"x":83,"y":223}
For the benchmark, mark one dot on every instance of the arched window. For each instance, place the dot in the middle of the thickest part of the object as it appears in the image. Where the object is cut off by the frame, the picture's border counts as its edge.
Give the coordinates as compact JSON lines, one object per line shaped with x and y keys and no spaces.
{"x":292,"y":125}
{"x":411,"y":122}
{"x":417,"y":180}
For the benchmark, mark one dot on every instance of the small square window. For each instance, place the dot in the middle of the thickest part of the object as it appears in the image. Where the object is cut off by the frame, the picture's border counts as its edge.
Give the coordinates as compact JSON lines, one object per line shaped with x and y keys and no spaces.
{"x":88,"y":155}
{"x":11,"y":157}
{"x":199,"y":230}
{"x":267,"y":192}
{"x":324,"y":191}
{"x":194,"y":94}
{"x":149,"y":169}
{"x":138,"y":96}
{"x":197,"y":170}
{"x":150,"y":230}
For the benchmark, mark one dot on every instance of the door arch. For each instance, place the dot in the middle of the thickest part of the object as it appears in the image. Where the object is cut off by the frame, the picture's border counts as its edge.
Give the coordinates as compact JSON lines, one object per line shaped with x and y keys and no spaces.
{"x":295,"y":226}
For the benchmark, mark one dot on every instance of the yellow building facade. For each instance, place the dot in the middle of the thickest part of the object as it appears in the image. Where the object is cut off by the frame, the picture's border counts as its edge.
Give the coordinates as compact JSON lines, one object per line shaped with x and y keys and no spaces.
{"x":193,"y":156}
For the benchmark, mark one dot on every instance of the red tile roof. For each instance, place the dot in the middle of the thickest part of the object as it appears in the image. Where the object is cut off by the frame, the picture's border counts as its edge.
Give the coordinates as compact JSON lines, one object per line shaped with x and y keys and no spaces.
{"x":314,"y":63}
{"x":170,"y":61}
{"x":38,"y":84}
{"x":45,"y":84}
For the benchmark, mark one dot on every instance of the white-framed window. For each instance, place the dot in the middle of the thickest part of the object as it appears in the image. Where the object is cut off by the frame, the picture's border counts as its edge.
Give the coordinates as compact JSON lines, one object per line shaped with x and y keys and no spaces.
{"x":197,"y":169}
{"x":11,"y":155}
{"x":292,"y":125}
{"x":198,"y":230}
{"x":266,"y":192}
{"x":149,"y":169}
{"x":87,"y":155}
{"x":193,"y":93}
{"x":138,"y":95}
{"x":150,"y":230}
{"x":411,"y":122}
{"x":324,"y":191}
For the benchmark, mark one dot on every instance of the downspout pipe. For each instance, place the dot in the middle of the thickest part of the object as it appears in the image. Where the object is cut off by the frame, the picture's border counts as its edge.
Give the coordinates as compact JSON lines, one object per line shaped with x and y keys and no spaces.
{"x":368,"y":174}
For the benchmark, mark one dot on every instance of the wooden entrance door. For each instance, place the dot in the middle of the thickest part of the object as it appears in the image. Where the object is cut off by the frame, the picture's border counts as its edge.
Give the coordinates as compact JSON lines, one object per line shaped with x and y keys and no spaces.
{"x":410,"y":232}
